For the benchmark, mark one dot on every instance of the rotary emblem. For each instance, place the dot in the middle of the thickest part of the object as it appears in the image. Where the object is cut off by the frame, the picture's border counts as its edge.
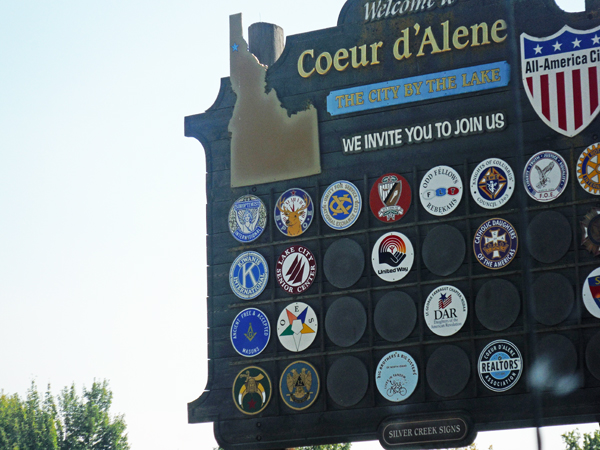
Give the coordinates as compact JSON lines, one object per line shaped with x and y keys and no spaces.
{"x":297,"y":327}
{"x":247,"y":218}
{"x":252,"y":390}
{"x":495,"y":244}
{"x":296,"y":269}
{"x":390,"y":198}
{"x":340,"y":205}
{"x":294,"y":212}
{"x":588,"y":169}
{"x":299,"y":385}
{"x":590,"y":227}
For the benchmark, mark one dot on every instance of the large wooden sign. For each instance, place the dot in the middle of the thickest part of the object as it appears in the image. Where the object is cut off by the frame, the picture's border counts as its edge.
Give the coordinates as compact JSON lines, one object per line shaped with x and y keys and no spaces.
{"x":404,"y":227}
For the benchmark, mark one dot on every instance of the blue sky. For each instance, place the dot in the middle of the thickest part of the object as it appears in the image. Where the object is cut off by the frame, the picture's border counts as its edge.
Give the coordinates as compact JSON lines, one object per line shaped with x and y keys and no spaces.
{"x":102,"y":273}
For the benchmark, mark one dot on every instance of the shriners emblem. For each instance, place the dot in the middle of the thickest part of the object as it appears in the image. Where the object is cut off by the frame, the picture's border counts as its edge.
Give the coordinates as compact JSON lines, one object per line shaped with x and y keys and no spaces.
{"x":390,"y":198}
{"x":590,"y":227}
{"x":588,"y":169}
{"x":299,"y":385}
{"x":252,"y":390}
{"x":294,"y":212}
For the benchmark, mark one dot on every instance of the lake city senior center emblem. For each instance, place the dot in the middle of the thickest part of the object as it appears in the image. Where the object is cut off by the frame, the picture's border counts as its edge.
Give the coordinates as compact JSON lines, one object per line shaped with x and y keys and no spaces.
{"x":561,"y":79}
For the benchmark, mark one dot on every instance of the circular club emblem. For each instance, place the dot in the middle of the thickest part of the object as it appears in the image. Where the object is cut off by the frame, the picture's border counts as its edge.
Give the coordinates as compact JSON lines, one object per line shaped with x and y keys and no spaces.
{"x":591,"y":293}
{"x":252,"y":390}
{"x":441,"y":190}
{"x":248,"y":275}
{"x":296,"y":269}
{"x":588,"y":169}
{"x":500,"y":366}
{"x":340,"y":205}
{"x":397,"y":376}
{"x":392,"y":257}
{"x":495,"y":244}
{"x":590,"y":227}
{"x":250,"y":332}
{"x":247,"y":218}
{"x":390,"y":198}
{"x":297,"y":327}
{"x":445,"y":310}
{"x":492,"y":183}
{"x":545,"y":176}
{"x":299,"y":385}
{"x":294,"y":212}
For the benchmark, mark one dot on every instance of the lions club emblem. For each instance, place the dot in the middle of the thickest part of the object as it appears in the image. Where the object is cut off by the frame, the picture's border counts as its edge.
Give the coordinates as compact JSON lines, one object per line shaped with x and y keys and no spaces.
{"x":299,"y":385}
{"x":390,"y":198}
{"x":294,"y":212}
{"x":252,"y":390}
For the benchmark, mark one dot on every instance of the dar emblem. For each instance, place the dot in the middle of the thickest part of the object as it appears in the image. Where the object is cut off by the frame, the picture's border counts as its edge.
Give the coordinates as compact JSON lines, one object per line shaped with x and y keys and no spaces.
{"x":299,"y":385}
{"x":561,"y":79}
{"x":390,"y":198}
{"x":252,"y":390}
{"x":588,"y":169}
{"x":297,"y":327}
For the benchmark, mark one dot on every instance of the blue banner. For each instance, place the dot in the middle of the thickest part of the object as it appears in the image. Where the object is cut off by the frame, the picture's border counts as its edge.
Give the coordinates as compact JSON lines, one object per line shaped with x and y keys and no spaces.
{"x":415,"y":89}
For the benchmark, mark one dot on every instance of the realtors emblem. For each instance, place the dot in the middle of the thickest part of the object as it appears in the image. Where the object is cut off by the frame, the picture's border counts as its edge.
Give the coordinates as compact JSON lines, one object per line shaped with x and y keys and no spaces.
{"x":590,"y":227}
{"x":294,"y":212}
{"x":588,"y":169}
{"x":248,"y":275}
{"x":250,"y":332}
{"x":297,"y":327}
{"x":492,"y":183}
{"x":545,"y":176}
{"x":247,"y":218}
{"x":495,"y":244}
{"x":392,"y":256}
{"x":591,"y":293}
{"x":341,"y":205}
{"x":441,"y":190}
{"x":390,"y":198}
{"x":561,"y":79}
{"x":252,"y":390}
{"x":500,"y":366}
{"x":296,"y":269}
{"x":299,"y":385}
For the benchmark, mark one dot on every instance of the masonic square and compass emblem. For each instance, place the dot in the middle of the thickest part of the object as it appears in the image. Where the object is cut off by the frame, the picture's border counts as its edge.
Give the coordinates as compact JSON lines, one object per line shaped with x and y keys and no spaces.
{"x":561,"y":79}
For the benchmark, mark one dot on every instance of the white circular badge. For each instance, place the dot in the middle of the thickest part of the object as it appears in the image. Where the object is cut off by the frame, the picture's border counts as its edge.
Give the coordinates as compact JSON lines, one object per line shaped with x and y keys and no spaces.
{"x":545,"y":176}
{"x":441,"y":190}
{"x":297,"y":327}
{"x":397,"y":376}
{"x":392,"y":257}
{"x":446,"y":310}
{"x":492,"y":183}
{"x":340,"y":205}
{"x":591,"y":293}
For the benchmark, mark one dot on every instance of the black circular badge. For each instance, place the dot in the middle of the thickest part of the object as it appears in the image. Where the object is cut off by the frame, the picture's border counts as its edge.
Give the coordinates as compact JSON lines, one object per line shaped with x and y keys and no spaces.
{"x":347,"y":381}
{"x":344,"y":263}
{"x":346,"y":321}
{"x":444,"y":250}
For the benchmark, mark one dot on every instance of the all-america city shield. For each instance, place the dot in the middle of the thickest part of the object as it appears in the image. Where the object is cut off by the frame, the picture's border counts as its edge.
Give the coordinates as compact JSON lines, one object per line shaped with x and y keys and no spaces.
{"x":561,"y":77}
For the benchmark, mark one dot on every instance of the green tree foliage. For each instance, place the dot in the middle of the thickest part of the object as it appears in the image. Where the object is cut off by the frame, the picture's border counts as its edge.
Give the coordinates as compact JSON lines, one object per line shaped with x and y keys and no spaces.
{"x":73,"y":423}
{"x":591,"y":441}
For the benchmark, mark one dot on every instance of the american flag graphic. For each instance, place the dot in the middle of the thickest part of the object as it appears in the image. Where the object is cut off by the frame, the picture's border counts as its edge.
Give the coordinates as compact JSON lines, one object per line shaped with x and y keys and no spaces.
{"x":444,"y":301}
{"x":561,"y":76}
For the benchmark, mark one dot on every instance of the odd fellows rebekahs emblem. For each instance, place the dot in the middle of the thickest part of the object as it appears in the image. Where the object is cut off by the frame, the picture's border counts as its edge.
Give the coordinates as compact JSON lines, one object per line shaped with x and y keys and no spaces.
{"x":297,"y":327}
{"x":588,"y":169}
{"x":252,"y":390}
{"x":590,"y":227}
{"x":294,"y":212}
{"x":561,"y":79}
{"x":299,"y":385}
{"x":390,"y":198}
{"x":495,"y":244}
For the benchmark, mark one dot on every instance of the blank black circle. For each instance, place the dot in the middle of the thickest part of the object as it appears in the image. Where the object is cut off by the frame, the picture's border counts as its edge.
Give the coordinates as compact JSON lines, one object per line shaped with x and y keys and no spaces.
{"x":498,"y":304}
{"x":347,"y":381}
{"x":549,"y":237}
{"x":344,"y":263}
{"x":559,"y":353}
{"x":444,"y":250}
{"x":395,"y":316}
{"x":448,"y":371}
{"x":345,"y":321}
{"x":592,"y":355}
{"x":553,"y":299}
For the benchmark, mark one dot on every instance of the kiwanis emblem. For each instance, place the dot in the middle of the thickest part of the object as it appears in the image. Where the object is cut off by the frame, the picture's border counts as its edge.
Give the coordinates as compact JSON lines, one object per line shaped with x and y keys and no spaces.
{"x":492,"y":183}
{"x":296,"y":269}
{"x":252,"y":390}
{"x":247,"y":218}
{"x":590,"y":227}
{"x":248,"y":275}
{"x":390,"y":198}
{"x":294,"y":212}
{"x":495,"y":244}
{"x":299,"y":385}
{"x":545,"y":176}
{"x":297,"y":327}
{"x":250,"y":332}
{"x":561,"y":79}
{"x":340,"y":205}
{"x":588,"y":169}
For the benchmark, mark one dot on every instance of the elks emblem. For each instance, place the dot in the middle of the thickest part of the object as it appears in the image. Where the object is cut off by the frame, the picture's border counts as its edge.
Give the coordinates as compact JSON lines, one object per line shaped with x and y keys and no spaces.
{"x":294,"y":212}
{"x":252,"y":390}
{"x":590,"y":227}
{"x":299,"y":385}
{"x":561,"y":79}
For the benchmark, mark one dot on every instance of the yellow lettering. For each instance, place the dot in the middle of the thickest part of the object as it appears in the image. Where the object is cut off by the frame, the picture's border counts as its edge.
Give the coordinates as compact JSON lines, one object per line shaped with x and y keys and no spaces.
{"x":484,"y":34}
{"x":301,"y":70}
{"x":429,"y":39}
{"x":328,"y":62}
{"x":500,"y":25}
{"x":374,"y":47}
{"x":339,"y":99}
{"x":340,"y":55}
{"x":405,"y":46}
{"x":460,"y":33}
{"x":496,"y":75}
{"x":363,"y":57}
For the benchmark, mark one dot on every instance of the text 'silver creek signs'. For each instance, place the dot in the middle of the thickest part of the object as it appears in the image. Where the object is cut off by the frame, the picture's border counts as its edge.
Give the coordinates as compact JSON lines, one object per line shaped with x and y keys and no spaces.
{"x":403,"y":226}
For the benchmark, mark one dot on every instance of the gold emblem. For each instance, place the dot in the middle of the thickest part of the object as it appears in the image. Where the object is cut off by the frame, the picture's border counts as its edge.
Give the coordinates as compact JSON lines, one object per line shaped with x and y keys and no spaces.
{"x":250,"y":334}
{"x":252,"y":390}
{"x":299,"y":385}
{"x":339,"y":202}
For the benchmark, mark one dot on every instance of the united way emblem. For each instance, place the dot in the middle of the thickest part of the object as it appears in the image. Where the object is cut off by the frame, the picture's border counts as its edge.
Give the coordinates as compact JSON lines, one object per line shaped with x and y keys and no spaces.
{"x":392,"y":256}
{"x":588,"y":169}
{"x":294,"y":212}
{"x":250,"y":332}
{"x":390,"y":198}
{"x":247,"y":218}
{"x":297,"y":327}
{"x":252,"y":390}
{"x":561,"y":79}
{"x":341,"y":205}
{"x":299,"y":385}
{"x":248,"y":275}
{"x":495,"y":244}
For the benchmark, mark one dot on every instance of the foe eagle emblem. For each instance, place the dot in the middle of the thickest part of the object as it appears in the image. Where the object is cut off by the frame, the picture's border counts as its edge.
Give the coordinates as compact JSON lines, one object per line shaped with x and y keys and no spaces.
{"x":299,"y":385}
{"x":252,"y":390}
{"x":561,"y":79}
